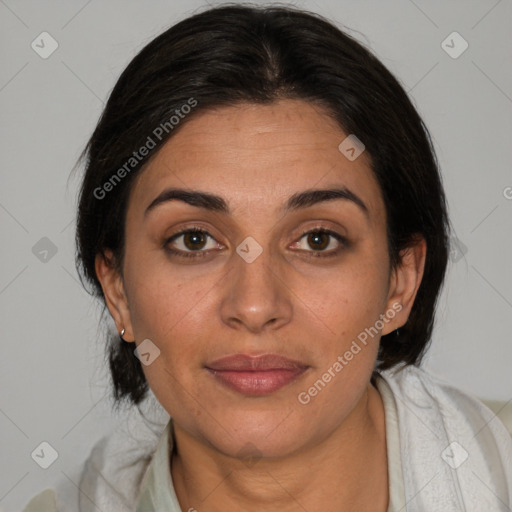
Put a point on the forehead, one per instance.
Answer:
(258, 153)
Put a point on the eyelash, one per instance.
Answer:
(200, 254)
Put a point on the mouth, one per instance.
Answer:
(255, 376)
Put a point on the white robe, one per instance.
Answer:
(454, 454)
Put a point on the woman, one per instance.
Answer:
(263, 215)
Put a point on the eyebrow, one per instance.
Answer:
(216, 203)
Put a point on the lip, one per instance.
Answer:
(255, 375)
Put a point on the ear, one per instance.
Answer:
(113, 290)
(404, 283)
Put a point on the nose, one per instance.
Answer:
(256, 296)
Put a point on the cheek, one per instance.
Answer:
(168, 312)
(349, 299)
(162, 304)
(349, 306)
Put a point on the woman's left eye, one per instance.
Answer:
(324, 242)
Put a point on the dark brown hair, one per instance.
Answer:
(240, 53)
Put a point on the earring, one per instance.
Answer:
(121, 334)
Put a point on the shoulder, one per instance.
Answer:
(452, 436)
(115, 468)
(503, 411)
(112, 473)
(43, 502)
(425, 392)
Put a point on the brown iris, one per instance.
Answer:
(194, 240)
(318, 240)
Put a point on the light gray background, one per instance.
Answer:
(53, 376)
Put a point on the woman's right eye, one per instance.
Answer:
(191, 242)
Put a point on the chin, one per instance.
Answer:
(256, 434)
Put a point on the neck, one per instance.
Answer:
(346, 471)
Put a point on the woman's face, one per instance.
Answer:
(259, 279)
